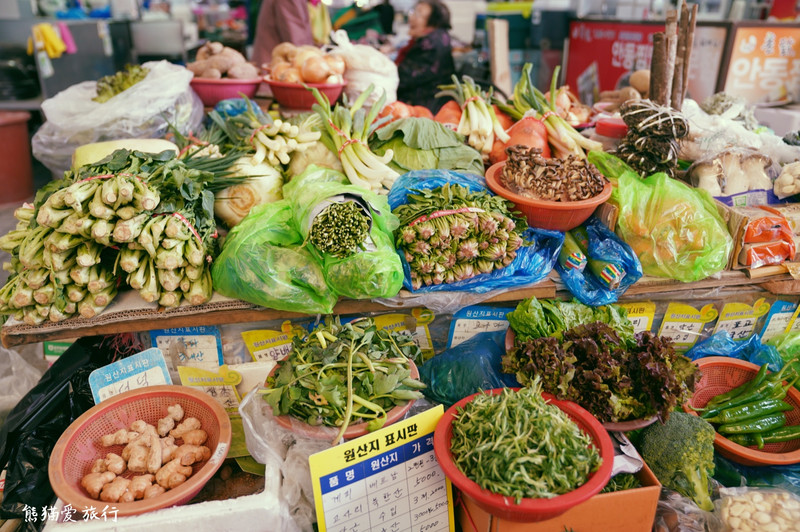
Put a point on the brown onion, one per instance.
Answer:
(335, 63)
(303, 53)
(290, 75)
(283, 53)
(315, 70)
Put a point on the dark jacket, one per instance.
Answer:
(423, 65)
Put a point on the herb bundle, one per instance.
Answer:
(342, 374)
(518, 445)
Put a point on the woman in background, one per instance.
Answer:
(280, 21)
(427, 60)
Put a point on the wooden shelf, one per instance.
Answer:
(161, 319)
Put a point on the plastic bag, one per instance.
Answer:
(675, 230)
(731, 474)
(469, 367)
(366, 66)
(752, 350)
(285, 451)
(676, 513)
(263, 262)
(373, 272)
(38, 420)
(603, 245)
(533, 262)
(734, 172)
(145, 110)
(611, 166)
(787, 345)
(18, 377)
(747, 508)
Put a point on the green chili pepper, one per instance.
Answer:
(723, 398)
(750, 410)
(759, 440)
(751, 426)
(781, 434)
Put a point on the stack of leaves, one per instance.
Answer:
(651, 144)
(518, 445)
(342, 374)
(536, 318)
(450, 234)
(148, 214)
(616, 380)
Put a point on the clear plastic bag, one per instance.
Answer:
(145, 110)
(17, 377)
(676, 231)
(533, 262)
(263, 262)
(366, 66)
(763, 509)
(676, 513)
(606, 246)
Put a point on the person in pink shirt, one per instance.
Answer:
(280, 21)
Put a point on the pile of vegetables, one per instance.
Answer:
(478, 122)
(422, 144)
(615, 375)
(680, 452)
(651, 144)
(537, 318)
(450, 234)
(574, 254)
(110, 86)
(517, 444)
(215, 60)
(529, 101)
(149, 215)
(346, 133)
(342, 374)
(305, 64)
(397, 110)
(753, 414)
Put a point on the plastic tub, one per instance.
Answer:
(16, 172)
(297, 96)
(609, 132)
(554, 215)
(528, 510)
(213, 91)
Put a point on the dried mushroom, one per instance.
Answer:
(529, 174)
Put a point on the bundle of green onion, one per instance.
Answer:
(145, 213)
(450, 234)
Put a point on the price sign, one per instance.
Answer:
(416, 324)
(684, 324)
(219, 384)
(779, 319)
(147, 368)
(470, 321)
(388, 480)
(266, 344)
(641, 314)
(739, 319)
(199, 347)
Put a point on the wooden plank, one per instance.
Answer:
(24, 335)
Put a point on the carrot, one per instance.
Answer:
(449, 114)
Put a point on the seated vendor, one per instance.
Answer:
(427, 60)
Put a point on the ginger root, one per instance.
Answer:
(112, 462)
(189, 454)
(139, 485)
(121, 437)
(190, 423)
(153, 491)
(168, 449)
(154, 454)
(93, 482)
(114, 490)
(173, 474)
(175, 412)
(195, 437)
(165, 425)
(141, 426)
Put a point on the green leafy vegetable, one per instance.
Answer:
(342, 374)
(110, 86)
(420, 144)
(534, 318)
(518, 445)
(621, 482)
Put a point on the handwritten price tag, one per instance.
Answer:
(684, 324)
(147, 368)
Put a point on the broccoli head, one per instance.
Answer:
(681, 454)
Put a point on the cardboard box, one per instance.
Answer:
(622, 511)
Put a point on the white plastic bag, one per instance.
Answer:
(18, 377)
(143, 111)
(365, 66)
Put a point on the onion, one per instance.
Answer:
(278, 69)
(334, 79)
(303, 53)
(284, 52)
(315, 70)
(335, 63)
(290, 75)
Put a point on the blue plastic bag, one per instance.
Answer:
(603, 245)
(752, 350)
(533, 262)
(467, 368)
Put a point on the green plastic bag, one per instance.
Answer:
(675, 230)
(263, 261)
(375, 271)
